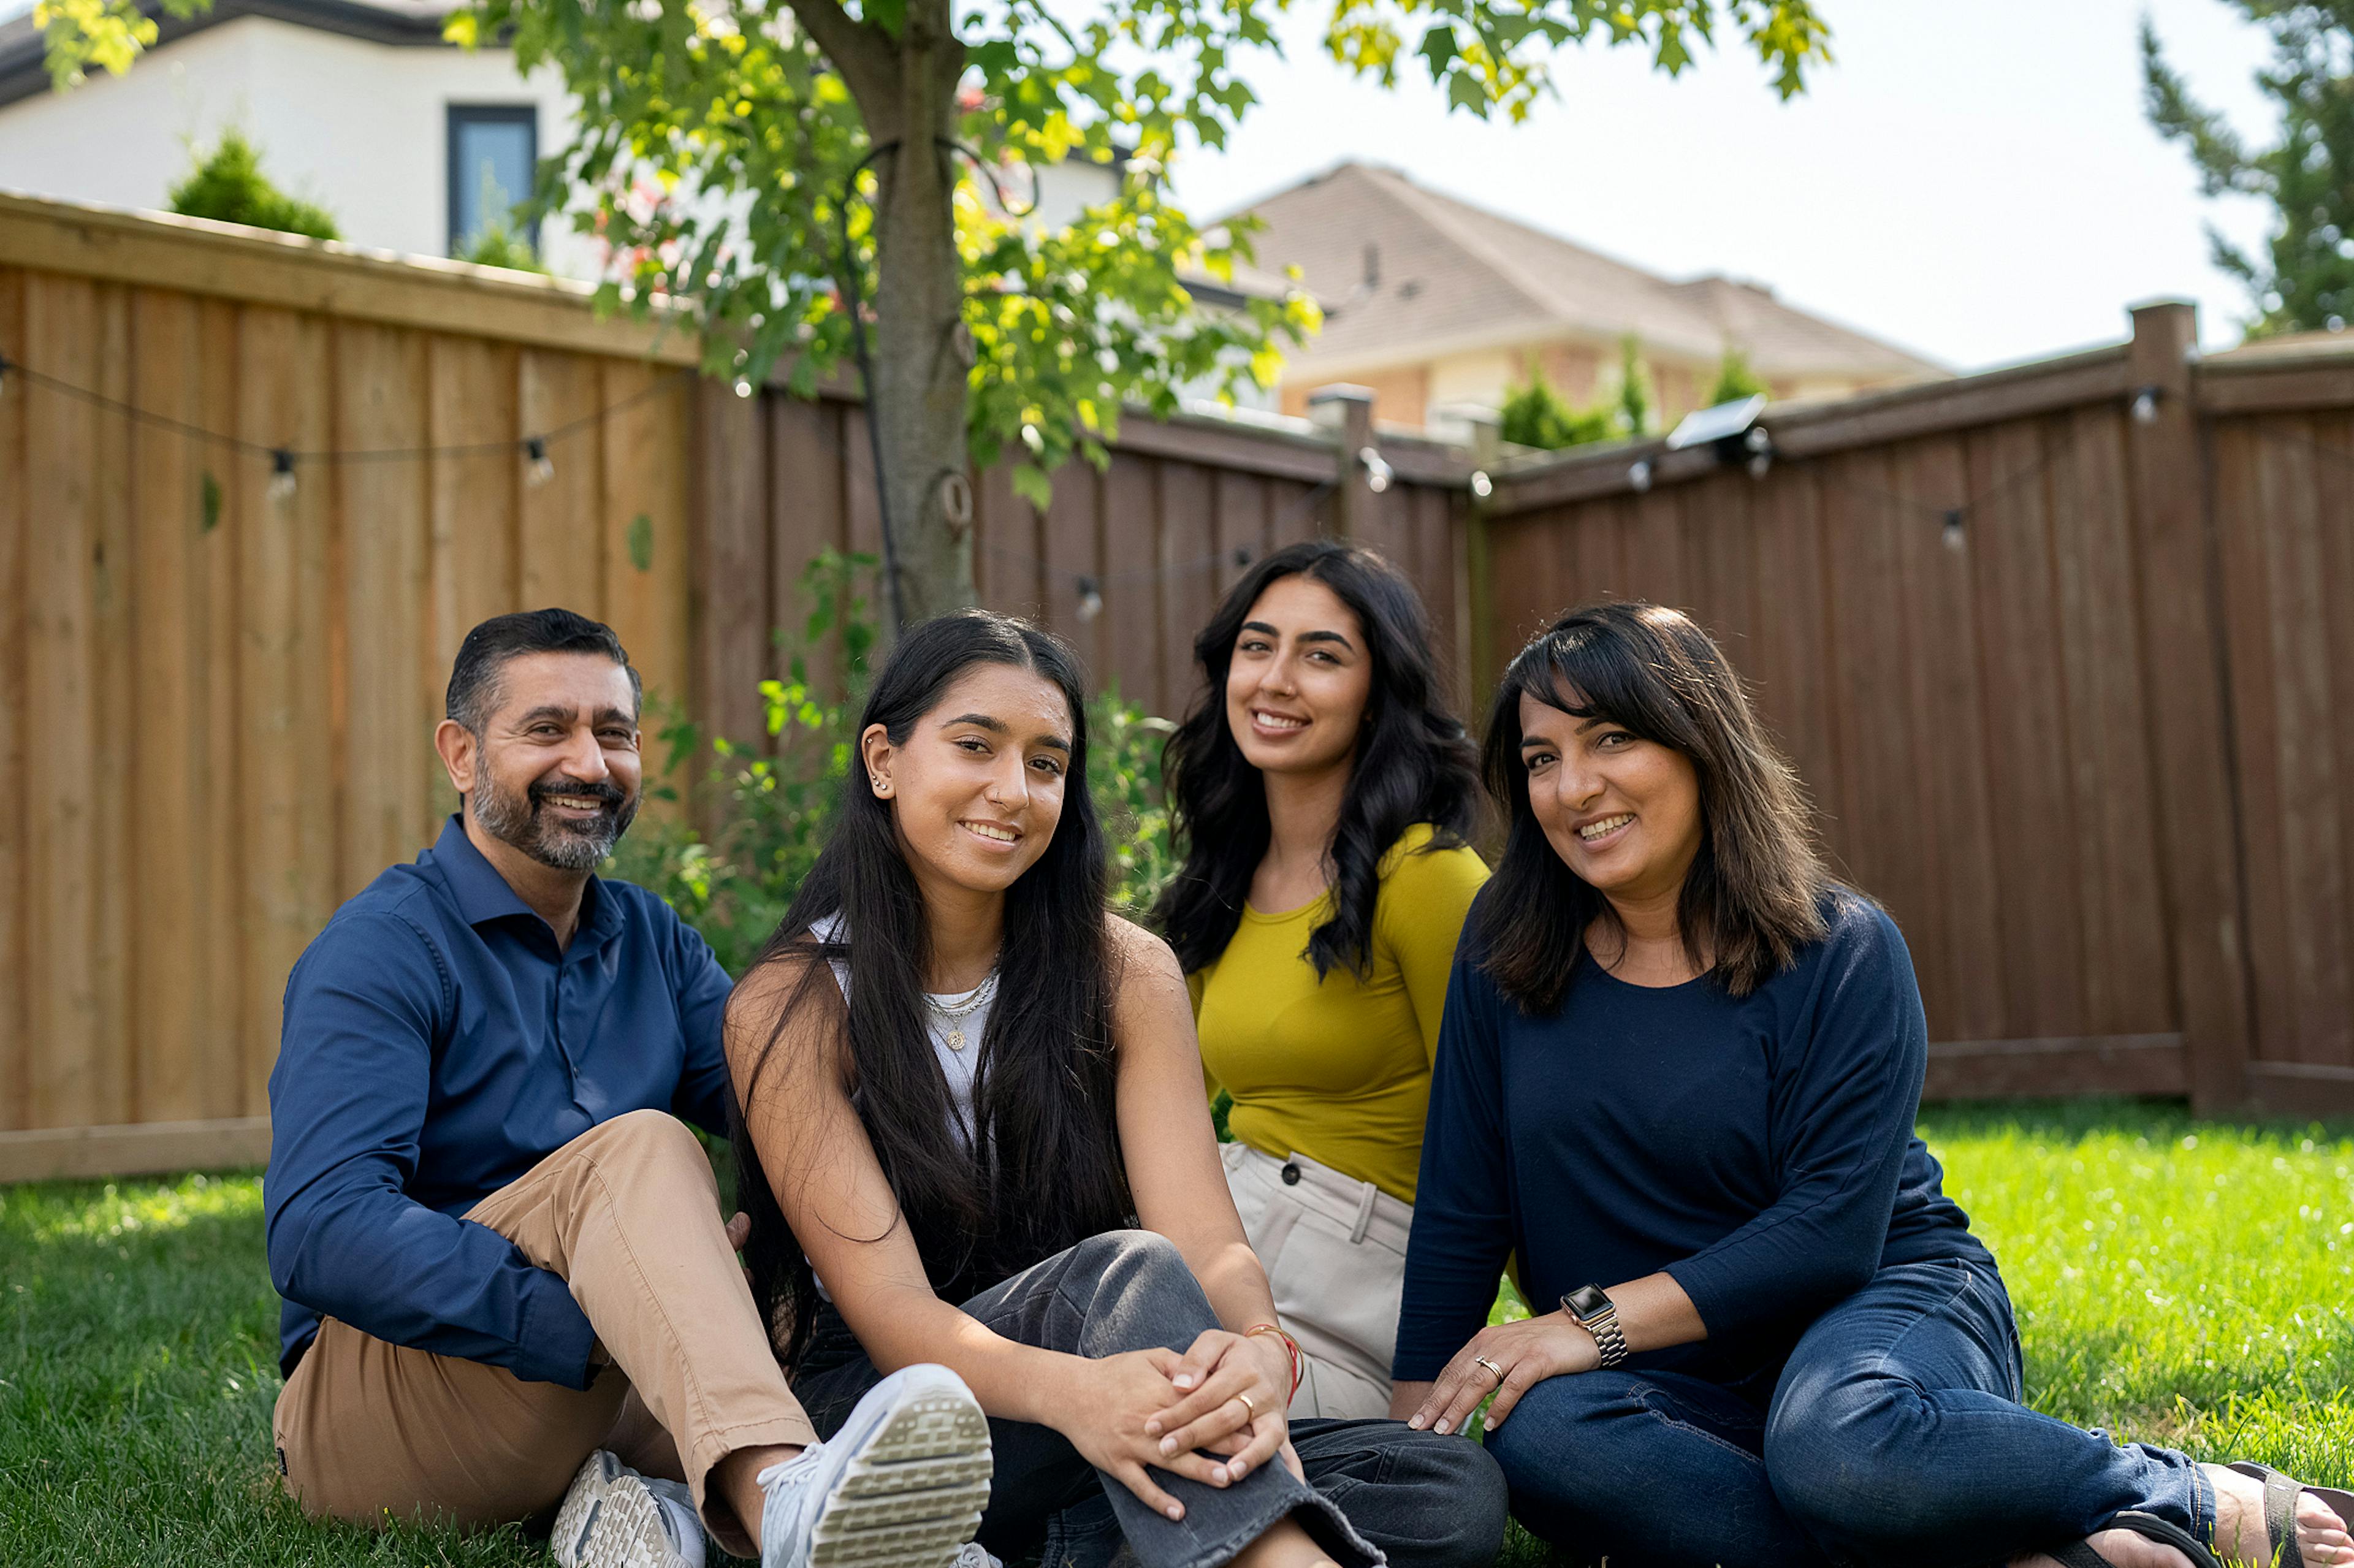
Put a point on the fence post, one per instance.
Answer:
(1475, 589)
(1345, 413)
(2184, 679)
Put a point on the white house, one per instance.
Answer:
(357, 105)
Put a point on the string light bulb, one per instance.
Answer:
(1090, 599)
(281, 474)
(541, 470)
(1952, 532)
(2145, 406)
(1638, 475)
(4, 375)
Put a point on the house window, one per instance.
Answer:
(494, 153)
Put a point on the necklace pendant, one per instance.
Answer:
(956, 1039)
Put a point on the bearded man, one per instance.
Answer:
(508, 1287)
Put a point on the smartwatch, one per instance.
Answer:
(1599, 1316)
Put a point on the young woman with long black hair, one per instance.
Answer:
(1678, 1079)
(972, 1134)
(1322, 790)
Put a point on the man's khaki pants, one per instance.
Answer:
(628, 1215)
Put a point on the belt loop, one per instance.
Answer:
(1364, 1214)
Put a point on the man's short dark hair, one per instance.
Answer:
(474, 679)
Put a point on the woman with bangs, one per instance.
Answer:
(1677, 1083)
(972, 1136)
(1323, 792)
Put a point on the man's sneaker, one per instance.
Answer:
(615, 1518)
(901, 1485)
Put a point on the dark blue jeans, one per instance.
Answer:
(1375, 1489)
(1894, 1435)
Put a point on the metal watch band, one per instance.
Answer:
(1604, 1326)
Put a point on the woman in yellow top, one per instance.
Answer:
(1323, 792)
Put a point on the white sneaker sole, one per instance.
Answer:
(615, 1524)
(914, 1493)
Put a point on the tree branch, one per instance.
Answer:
(864, 55)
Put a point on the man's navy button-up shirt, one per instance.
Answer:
(436, 1046)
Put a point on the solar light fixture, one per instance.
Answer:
(1378, 473)
(1729, 429)
(2145, 406)
(1482, 485)
(1639, 476)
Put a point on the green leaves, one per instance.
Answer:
(2304, 280)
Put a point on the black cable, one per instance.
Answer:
(166, 422)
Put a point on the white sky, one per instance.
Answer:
(1976, 181)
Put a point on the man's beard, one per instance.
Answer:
(522, 818)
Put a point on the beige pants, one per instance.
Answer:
(628, 1214)
(1334, 1251)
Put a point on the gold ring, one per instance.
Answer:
(1492, 1367)
(1248, 1405)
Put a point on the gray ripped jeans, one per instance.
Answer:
(1376, 1492)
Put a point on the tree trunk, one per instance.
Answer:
(917, 397)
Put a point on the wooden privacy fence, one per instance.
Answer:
(2068, 683)
(222, 695)
(2065, 654)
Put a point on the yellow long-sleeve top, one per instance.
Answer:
(1339, 1071)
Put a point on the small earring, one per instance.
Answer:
(880, 787)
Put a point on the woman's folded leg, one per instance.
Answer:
(1896, 1435)
(1650, 1469)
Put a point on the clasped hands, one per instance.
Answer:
(1506, 1359)
(1213, 1414)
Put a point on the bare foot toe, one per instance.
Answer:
(2322, 1539)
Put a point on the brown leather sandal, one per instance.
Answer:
(2080, 1554)
(2280, 1509)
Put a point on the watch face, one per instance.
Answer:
(1587, 1300)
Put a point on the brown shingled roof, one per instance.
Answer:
(1451, 273)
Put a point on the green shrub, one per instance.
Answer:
(229, 186)
(1537, 415)
(1734, 379)
(501, 244)
(772, 812)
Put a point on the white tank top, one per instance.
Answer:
(956, 1041)
(958, 1062)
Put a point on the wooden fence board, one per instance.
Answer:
(475, 562)
(1189, 577)
(1243, 527)
(112, 573)
(16, 977)
(2036, 830)
(62, 701)
(380, 395)
(1874, 840)
(2336, 585)
(1132, 598)
(2316, 994)
(1072, 537)
(167, 829)
(731, 564)
(1961, 979)
(223, 1044)
(2244, 492)
(2127, 974)
(562, 553)
(644, 495)
(285, 690)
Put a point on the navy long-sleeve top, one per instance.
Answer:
(1759, 1149)
(436, 1046)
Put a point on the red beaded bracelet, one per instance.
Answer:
(1290, 1345)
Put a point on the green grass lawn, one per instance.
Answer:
(2178, 1281)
